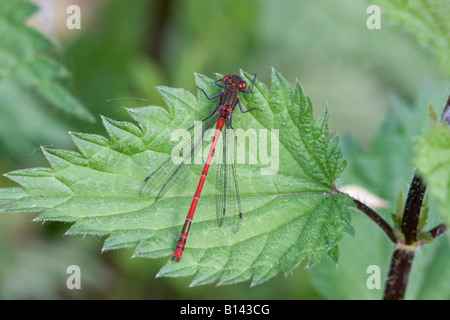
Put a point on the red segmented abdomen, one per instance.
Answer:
(187, 224)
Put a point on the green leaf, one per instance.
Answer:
(291, 213)
(433, 162)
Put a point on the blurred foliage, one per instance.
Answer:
(125, 49)
(428, 21)
(28, 81)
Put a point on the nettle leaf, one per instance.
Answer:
(291, 212)
(433, 161)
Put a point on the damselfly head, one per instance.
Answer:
(235, 81)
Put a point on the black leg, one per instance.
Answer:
(242, 110)
(220, 85)
(210, 98)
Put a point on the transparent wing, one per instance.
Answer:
(228, 203)
(163, 177)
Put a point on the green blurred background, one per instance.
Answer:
(126, 48)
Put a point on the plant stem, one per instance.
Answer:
(412, 209)
(446, 113)
(403, 256)
(377, 219)
(437, 231)
(398, 274)
(404, 252)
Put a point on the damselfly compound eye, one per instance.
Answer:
(243, 85)
(225, 79)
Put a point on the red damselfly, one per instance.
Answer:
(228, 204)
